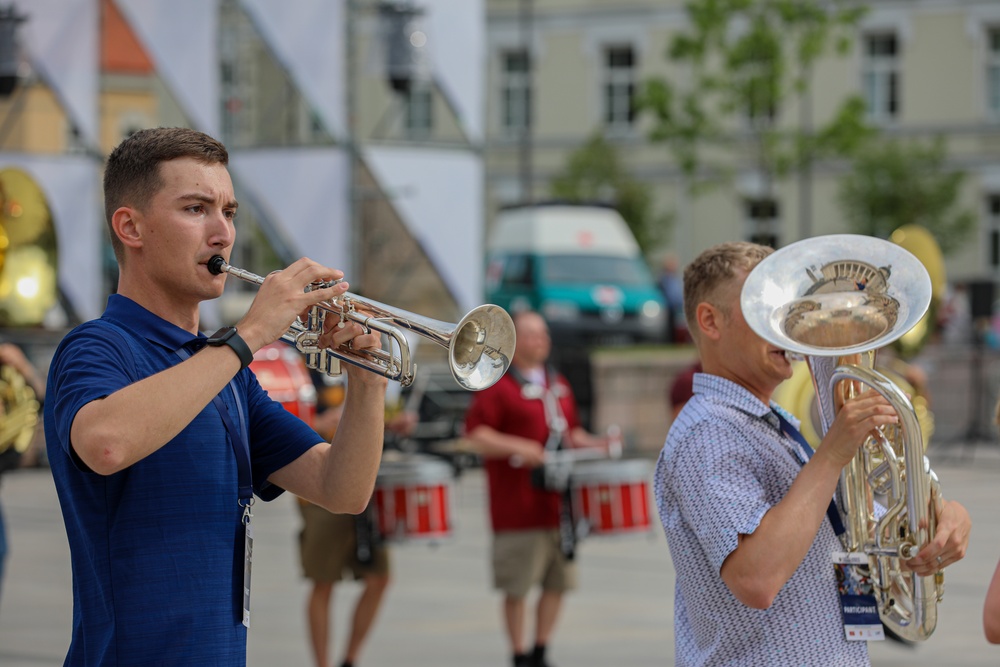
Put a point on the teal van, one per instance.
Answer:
(580, 267)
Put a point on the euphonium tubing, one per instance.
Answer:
(834, 300)
(479, 346)
(20, 409)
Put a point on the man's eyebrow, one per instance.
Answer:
(206, 199)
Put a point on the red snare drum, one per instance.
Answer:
(283, 375)
(611, 497)
(413, 499)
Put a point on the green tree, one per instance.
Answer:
(893, 183)
(743, 62)
(594, 172)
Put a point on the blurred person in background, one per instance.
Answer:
(339, 547)
(12, 357)
(682, 389)
(672, 286)
(991, 607)
(510, 425)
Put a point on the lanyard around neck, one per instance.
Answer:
(238, 439)
(786, 427)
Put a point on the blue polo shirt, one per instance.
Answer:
(157, 549)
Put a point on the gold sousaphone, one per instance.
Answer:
(836, 300)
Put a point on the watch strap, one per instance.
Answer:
(231, 337)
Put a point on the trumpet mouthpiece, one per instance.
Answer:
(215, 264)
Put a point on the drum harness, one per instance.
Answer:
(553, 475)
(366, 534)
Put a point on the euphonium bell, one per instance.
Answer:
(835, 300)
(479, 346)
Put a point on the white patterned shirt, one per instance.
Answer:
(724, 465)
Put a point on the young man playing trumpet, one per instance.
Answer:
(159, 437)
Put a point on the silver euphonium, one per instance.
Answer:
(479, 346)
(835, 300)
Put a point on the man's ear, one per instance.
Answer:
(709, 319)
(125, 226)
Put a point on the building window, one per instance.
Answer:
(993, 224)
(515, 90)
(993, 72)
(881, 77)
(619, 87)
(762, 221)
(419, 111)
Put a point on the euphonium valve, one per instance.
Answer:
(480, 345)
(835, 300)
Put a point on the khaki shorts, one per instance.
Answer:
(328, 547)
(523, 558)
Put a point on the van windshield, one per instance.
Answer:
(588, 269)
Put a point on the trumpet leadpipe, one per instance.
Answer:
(217, 265)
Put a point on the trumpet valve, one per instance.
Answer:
(307, 341)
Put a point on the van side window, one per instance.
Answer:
(518, 271)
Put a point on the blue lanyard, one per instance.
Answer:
(831, 512)
(236, 437)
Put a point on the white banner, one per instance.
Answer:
(307, 38)
(181, 37)
(456, 42)
(439, 196)
(61, 40)
(304, 192)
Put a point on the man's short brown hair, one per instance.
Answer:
(132, 173)
(713, 270)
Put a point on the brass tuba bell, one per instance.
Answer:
(836, 300)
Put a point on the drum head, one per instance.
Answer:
(623, 470)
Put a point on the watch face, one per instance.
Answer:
(222, 335)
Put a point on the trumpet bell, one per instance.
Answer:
(836, 295)
(481, 347)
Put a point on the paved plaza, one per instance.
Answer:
(440, 610)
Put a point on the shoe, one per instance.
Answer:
(537, 658)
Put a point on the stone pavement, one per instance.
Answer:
(440, 610)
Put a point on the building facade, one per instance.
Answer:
(562, 70)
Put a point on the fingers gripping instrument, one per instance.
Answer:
(479, 346)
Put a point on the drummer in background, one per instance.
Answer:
(329, 543)
(507, 425)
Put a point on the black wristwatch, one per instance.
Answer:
(229, 336)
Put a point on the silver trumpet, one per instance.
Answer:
(479, 346)
(836, 300)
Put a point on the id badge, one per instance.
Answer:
(247, 562)
(857, 597)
